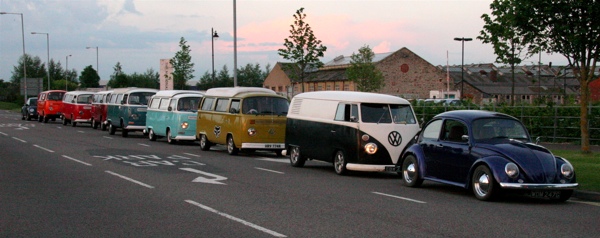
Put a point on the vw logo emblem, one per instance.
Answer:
(394, 138)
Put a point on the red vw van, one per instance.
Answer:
(77, 107)
(99, 109)
(49, 105)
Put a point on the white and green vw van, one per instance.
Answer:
(172, 114)
(127, 109)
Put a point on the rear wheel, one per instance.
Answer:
(73, 123)
(64, 121)
(102, 125)
(40, 118)
(339, 162)
(204, 143)
(483, 183)
(296, 158)
(231, 149)
(111, 129)
(46, 119)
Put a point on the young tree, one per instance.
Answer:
(56, 73)
(89, 78)
(507, 38)
(363, 72)
(302, 48)
(34, 66)
(118, 79)
(569, 28)
(183, 68)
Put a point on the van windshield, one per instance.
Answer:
(265, 106)
(385, 113)
(86, 98)
(189, 104)
(55, 96)
(140, 98)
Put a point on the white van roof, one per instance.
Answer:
(104, 92)
(350, 96)
(79, 92)
(131, 90)
(233, 91)
(171, 93)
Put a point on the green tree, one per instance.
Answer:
(363, 72)
(149, 79)
(56, 73)
(302, 48)
(183, 68)
(118, 79)
(252, 75)
(34, 66)
(501, 30)
(569, 28)
(205, 82)
(89, 78)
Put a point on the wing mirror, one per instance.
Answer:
(465, 138)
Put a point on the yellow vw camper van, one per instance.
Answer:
(246, 118)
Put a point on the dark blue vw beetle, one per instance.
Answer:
(485, 152)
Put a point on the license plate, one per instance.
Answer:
(391, 169)
(273, 146)
(545, 194)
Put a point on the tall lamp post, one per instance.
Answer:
(48, 49)
(97, 68)
(213, 36)
(462, 69)
(24, 56)
(67, 73)
(234, 45)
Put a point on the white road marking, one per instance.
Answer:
(76, 160)
(257, 227)
(214, 179)
(588, 203)
(274, 160)
(129, 179)
(143, 144)
(3, 133)
(403, 198)
(51, 151)
(81, 131)
(192, 155)
(19, 140)
(273, 171)
(107, 137)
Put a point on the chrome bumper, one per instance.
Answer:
(552, 186)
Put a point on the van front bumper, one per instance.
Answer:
(265, 146)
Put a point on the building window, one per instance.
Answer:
(320, 88)
(337, 87)
(328, 87)
(280, 89)
(346, 87)
(311, 88)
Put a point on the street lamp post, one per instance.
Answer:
(213, 36)
(462, 69)
(24, 56)
(234, 45)
(48, 49)
(97, 68)
(67, 73)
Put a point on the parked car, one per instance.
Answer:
(353, 130)
(99, 109)
(77, 107)
(127, 109)
(49, 105)
(246, 118)
(173, 114)
(29, 110)
(486, 152)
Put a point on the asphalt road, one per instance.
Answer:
(63, 181)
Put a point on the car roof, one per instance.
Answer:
(79, 92)
(471, 115)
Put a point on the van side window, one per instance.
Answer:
(222, 104)
(124, 99)
(173, 104)
(164, 104)
(375, 113)
(207, 104)
(154, 103)
(235, 105)
(346, 112)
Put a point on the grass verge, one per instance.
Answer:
(10, 106)
(586, 168)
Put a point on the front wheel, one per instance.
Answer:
(231, 149)
(483, 183)
(111, 129)
(410, 172)
(170, 140)
(64, 121)
(151, 135)
(339, 162)
(204, 143)
(296, 158)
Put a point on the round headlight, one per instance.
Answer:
(134, 116)
(567, 170)
(184, 125)
(511, 170)
(31, 110)
(251, 131)
(371, 148)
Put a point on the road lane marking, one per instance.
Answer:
(76, 160)
(107, 137)
(268, 170)
(81, 131)
(129, 179)
(403, 198)
(257, 227)
(274, 160)
(192, 155)
(143, 144)
(19, 139)
(588, 203)
(3, 133)
(51, 151)
(212, 178)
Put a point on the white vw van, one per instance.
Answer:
(353, 130)
(172, 114)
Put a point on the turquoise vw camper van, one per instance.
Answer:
(127, 109)
(172, 114)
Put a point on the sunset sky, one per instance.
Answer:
(138, 33)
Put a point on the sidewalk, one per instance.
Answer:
(578, 194)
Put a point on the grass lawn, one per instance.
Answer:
(586, 166)
(10, 106)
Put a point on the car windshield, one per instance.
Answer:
(55, 96)
(188, 104)
(384, 113)
(140, 98)
(85, 98)
(265, 106)
(499, 128)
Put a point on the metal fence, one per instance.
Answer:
(554, 124)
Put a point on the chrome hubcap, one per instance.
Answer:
(409, 173)
(295, 154)
(482, 185)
